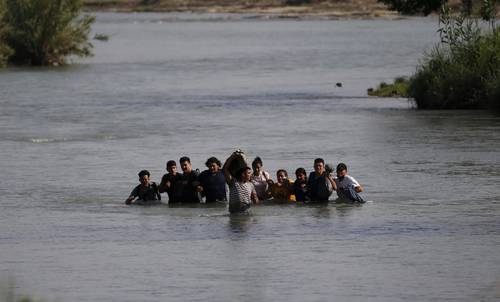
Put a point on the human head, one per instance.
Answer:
(341, 170)
(281, 175)
(257, 165)
(319, 165)
(185, 163)
(300, 173)
(171, 167)
(243, 174)
(213, 164)
(144, 177)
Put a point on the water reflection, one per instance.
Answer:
(240, 223)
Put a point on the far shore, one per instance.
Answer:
(340, 9)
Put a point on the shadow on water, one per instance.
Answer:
(240, 223)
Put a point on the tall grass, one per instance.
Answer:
(43, 32)
(463, 71)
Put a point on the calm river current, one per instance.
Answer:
(73, 139)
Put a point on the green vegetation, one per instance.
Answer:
(101, 37)
(463, 70)
(43, 32)
(397, 89)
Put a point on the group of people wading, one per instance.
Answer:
(246, 185)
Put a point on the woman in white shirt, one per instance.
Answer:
(260, 178)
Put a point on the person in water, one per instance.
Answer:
(300, 185)
(282, 189)
(185, 189)
(347, 187)
(241, 190)
(168, 180)
(260, 178)
(320, 184)
(213, 181)
(146, 192)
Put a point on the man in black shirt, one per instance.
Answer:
(320, 184)
(146, 192)
(213, 181)
(185, 188)
(168, 181)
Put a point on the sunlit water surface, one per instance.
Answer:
(73, 139)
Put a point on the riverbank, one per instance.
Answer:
(269, 8)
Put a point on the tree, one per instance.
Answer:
(43, 32)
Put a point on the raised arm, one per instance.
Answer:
(332, 182)
(225, 168)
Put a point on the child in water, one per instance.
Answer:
(260, 179)
(300, 185)
(282, 189)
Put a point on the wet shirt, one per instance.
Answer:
(283, 192)
(240, 195)
(346, 182)
(214, 185)
(319, 187)
(146, 194)
(300, 190)
(184, 188)
(260, 183)
(163, 187)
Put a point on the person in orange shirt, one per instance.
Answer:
(282, 189)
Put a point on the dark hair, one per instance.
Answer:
(301, 171)
(240, 172)
(319, 160)
(183, 159)
(211, 161)
(144, 172)
(282, 170)
(171, 163)
(341, 167)
(256, 161)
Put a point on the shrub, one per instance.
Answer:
(398, 89)
(494, 94)
(460, 72)
(44, 32)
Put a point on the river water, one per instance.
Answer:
(73, 139)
